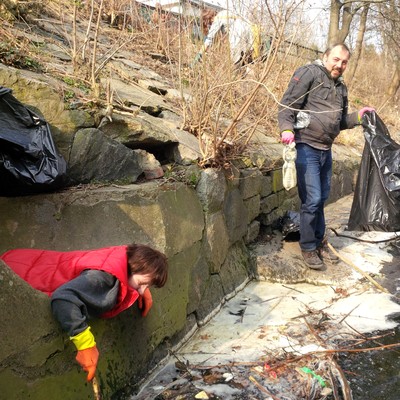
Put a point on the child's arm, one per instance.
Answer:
(89, 295)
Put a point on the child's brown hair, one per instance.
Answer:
(145, 260)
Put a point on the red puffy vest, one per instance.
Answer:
(46, 270)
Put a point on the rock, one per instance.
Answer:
(94, 156)
(133, 95)
(211, 189)
(187, 151)
(250, 182)
(148, 163)
(216, 240)
(154, 86)
(175, 94)
(138, 131)
(237, 267)
(201, 395)
(235, 214)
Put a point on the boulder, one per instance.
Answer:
(95, 157)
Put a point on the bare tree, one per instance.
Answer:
(342, 14)
(390, 23)
(359, 42)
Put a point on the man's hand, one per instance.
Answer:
(363, 111)
(145, 302)
(287, 137)
(87, 359)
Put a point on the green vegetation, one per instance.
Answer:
(17, 59)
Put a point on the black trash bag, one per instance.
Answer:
(376, 202)
(29, 160)
(289, 225)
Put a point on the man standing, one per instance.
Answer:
(314, 109)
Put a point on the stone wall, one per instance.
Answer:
(204, 227)
(203, 231)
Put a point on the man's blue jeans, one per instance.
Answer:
(314, 172)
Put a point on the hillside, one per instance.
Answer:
(76, 48)
(116, 94)
(42, 41)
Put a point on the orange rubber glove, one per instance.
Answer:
(88, 354)
(145, 302)
(87, 359)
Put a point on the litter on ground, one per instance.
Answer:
(283, 340)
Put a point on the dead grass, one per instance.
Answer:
(227, 104)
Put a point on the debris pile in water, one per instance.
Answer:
(309, 372)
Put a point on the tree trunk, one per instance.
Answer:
(340, 18)
(395, 84)
(390, 12)
(347, 18)
(360, 38)
(334, 19)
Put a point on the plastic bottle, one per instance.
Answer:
(289, 166)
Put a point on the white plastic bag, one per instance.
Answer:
(289, 166)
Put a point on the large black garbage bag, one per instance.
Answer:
(29, 160)
(376, 202)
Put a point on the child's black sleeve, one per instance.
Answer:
(90, 294)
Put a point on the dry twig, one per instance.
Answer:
(359, 270)
(262, 388)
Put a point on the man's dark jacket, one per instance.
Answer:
(324, 99)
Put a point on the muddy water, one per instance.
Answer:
(376, 375)
(371, 375)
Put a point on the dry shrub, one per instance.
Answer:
(227, 105)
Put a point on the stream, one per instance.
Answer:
(375, 375)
